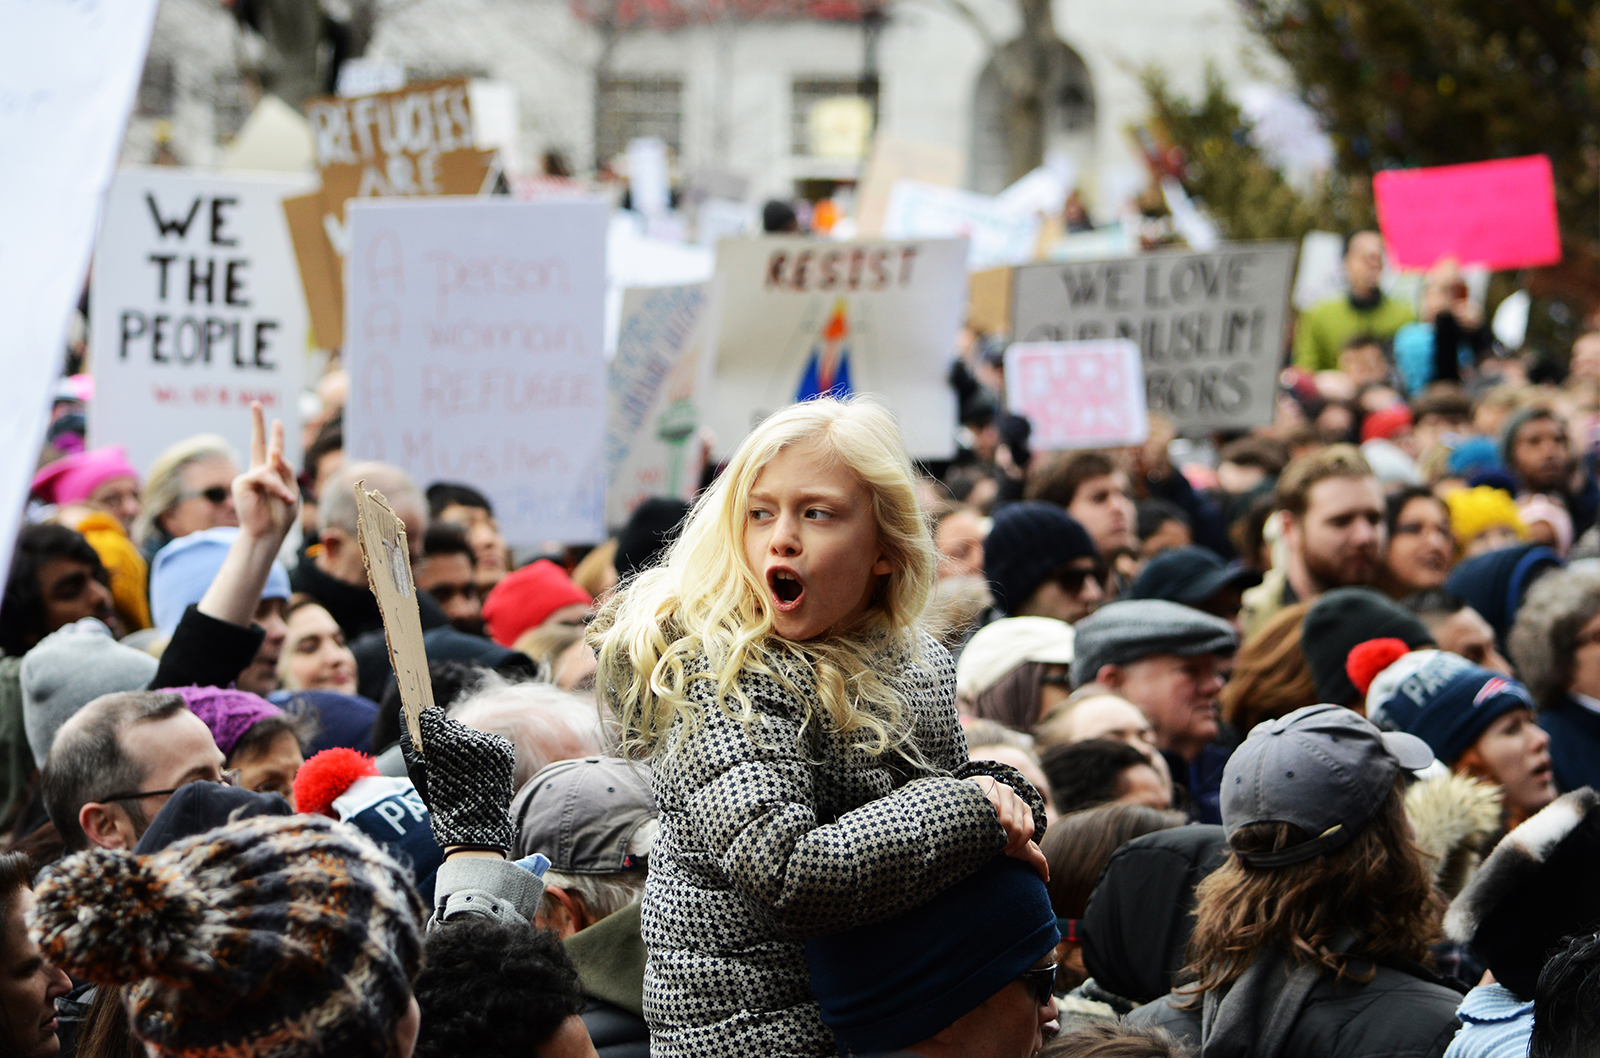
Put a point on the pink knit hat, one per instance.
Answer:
(73, 478)
(227, 712)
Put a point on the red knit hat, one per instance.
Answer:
(525, 598)
(1386, 423)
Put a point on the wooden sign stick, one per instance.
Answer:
(388, 560)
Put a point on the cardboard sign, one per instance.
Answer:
(68, 73)
(800, 318)
(997, 236)
(1078, 394)
(414, 141)
(989, 300)
(660, 376)
(474, 331)
(196, 310)
(1210, 326)
(1496, 215)
(387, 558)
(896, 159)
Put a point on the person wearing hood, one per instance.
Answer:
(1308, 941)
(1136, 927)
(1496, 583)
(1555, 646)
(1477, 722)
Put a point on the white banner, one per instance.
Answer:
(68, 72)
(802, 317)
(473, 339)
(1210, 326)
(196, 311)
(659, 380)
(999, 234)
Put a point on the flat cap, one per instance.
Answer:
(1129, 631)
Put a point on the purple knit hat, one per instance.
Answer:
(227, 712)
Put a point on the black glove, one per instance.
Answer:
(465, 779)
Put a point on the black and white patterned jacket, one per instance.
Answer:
(769, 836)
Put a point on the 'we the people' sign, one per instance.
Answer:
(473, 340)
(196, 310)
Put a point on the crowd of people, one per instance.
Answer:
(1289, 746)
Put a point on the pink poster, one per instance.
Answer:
(1086, 394)
(1496, 215)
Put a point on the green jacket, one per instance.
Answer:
(1324, 328)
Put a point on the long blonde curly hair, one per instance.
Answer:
(705, 599)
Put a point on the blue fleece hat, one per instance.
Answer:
(1496, 582)
(1443, 699)
(185, 568)
(887, 985)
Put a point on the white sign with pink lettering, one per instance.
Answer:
(473, 331)
(1078, 394)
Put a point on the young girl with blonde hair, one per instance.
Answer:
(807, 759)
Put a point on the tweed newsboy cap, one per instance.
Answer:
(1129, 631)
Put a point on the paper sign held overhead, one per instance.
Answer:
(996, 235)
(1497, 215)
(196, 310)
(1210, 326)
(387, 557)
(1078, 394)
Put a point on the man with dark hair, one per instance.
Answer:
(446, 573)
(1535, 447)
(465, 506)
(1458, 628)
(1102, 771)
(115, 762)
(1333, 526)
(1091, 488)
(1566, 1007)
(56, 578)
(498, 990)
(1323, 329)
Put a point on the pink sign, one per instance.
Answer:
(1495, 215)
(1078, 394)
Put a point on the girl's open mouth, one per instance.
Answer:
(786, 589)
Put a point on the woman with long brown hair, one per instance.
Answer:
(1309, 941)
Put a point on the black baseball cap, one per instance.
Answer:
(1190, 575)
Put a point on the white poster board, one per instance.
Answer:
(1211, 326)
(1078, 394)
(473, 340)
(196, 311)
(997, 234)
(801, 316)
(659, 379)
(68, 72)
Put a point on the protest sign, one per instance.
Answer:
(658, 380)
(414, 141)
(895, 159)
(67, 78)
(1210, 326)
(1496, 215)
(387, 558)
(473, 343)
(1078, 394)
(997, 236)
(196, 310)
(989, 300)
(800, 317)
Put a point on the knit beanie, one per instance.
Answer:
(1027, 542)
(271, 937)
(185, 568)
(342, 784)
(1475, 511)
(890, 984)
(227, 712)
(526, 597)
(68, 669)
(73, 478)
(1494, 584)
(1440, 697)
(650, 528)
(1535, 889)
(1471, 455)
(1343, 618)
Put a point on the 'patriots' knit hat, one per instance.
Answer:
(270, 937)
(1440, 697)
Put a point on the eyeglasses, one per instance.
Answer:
(1041, 983)
(229, 778)
(216, 495)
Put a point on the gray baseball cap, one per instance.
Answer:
(1134, 629)
(1323, 768)
(593, 815)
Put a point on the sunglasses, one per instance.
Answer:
(1041, 983)
(229, 778)
(216, 495)
(1071, 579)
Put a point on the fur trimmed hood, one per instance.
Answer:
(1454, 816)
